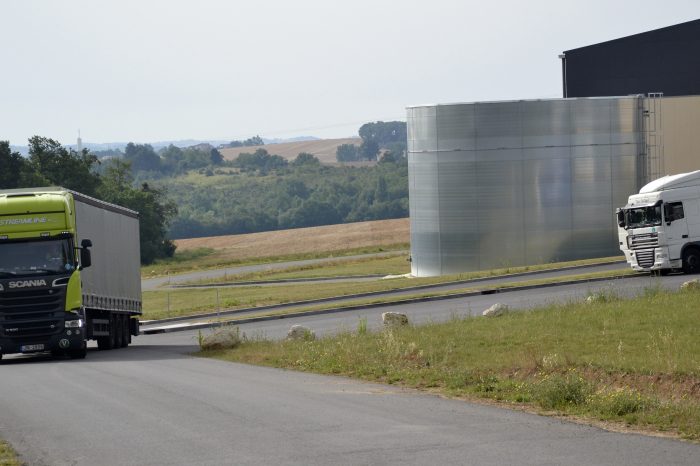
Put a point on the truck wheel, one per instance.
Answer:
(125, 331)
(118, 330)
(107, 343)
(103, 343)
(691, 260)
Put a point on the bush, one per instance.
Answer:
(557, 391)
(620, 402)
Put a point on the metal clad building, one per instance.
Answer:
(665, 60)
(496, 184)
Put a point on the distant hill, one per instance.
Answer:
(181, 143)
(323, 149)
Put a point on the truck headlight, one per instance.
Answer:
(74, 323)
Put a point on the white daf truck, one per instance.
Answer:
(659, 228)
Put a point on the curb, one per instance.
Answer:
(205, 325)
(371, 293)
(272, 282)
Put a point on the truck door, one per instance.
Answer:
(676, 228)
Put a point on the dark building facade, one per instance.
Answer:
(664, 60)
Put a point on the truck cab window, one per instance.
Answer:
(673, 211)
(642, 217)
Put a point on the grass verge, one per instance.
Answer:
(188, 302)
(391, 265)
(8, 457)
(634, 363)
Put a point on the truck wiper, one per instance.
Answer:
(7, 274)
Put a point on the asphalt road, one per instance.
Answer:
(438, 288)
(152, 404)
(150, 284)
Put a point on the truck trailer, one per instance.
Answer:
(69, 272)
(659, 228)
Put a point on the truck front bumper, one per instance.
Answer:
(661, 260)
(68, 340)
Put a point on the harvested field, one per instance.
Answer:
(323, 149)
(303, 240)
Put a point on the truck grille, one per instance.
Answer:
(648, 240)
(32, 313)
(645, 258)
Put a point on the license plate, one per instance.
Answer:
(30, 348)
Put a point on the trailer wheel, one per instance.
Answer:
(125, 330)
(107, 343)
(118, 330)
(103, 343)
(691, 260)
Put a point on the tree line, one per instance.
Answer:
(388, 137)
(51, 164)
(260, 191)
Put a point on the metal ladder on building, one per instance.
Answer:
(652, 166)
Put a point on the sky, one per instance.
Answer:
(156, 70)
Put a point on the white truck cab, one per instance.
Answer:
(659, 228)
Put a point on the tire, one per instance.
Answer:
(691, 260)
(103, 343)
(118, 330)
(128, 329)
(107, 343)
(125, 331)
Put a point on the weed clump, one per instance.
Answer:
(561, 391)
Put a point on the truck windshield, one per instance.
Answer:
(35, 257)
(643, 217)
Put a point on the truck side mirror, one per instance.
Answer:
(620, 218)
(85, 255)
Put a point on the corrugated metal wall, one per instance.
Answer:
(498, 184)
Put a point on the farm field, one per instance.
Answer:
(275, 246)
(323, 149)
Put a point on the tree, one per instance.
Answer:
(155, 210)
(63, 167)
(142, 157)
(369, 149)
(306, 159)
(260, 161)
(389, 135)
(347, 153)
(254, 141)
(13, 165)
(215, 157)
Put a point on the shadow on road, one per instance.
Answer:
(130, 354)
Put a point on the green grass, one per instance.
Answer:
(630, 362)
(191, 301)
(206, 258)
(8, 457)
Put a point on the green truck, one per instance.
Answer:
(69, 273)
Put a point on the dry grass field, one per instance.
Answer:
(303, 240)
(323, 149)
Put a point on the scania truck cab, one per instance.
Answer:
(659, 228)
(69, 272)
